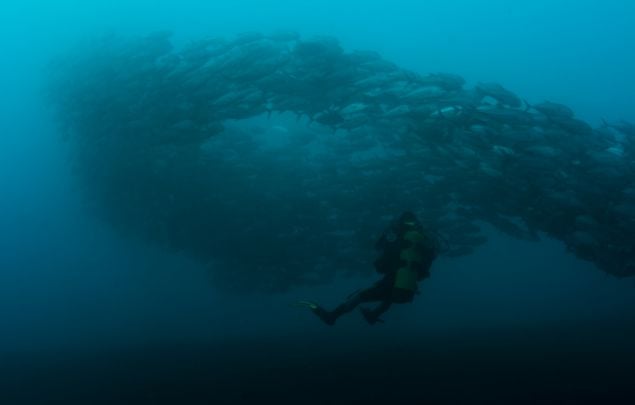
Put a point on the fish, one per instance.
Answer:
(499, 93)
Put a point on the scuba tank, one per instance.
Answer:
(407, 276)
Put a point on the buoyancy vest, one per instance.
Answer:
(407, 275)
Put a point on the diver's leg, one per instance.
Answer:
(372, 315)
(381, 308)
(374, 293)
(396, 295)
(347, 306)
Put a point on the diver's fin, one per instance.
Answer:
(326, 316)
(308, 304)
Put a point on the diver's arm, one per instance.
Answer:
(424, 268)
(387, 238)
(381, 242)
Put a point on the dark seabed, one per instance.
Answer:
(558, 364)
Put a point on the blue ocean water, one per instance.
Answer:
(81, 300)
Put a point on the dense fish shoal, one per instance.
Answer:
(178, 145)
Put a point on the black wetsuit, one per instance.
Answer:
(391, 243)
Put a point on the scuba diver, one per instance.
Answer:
(407, 254)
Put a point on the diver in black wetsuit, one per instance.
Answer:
(407, 254)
